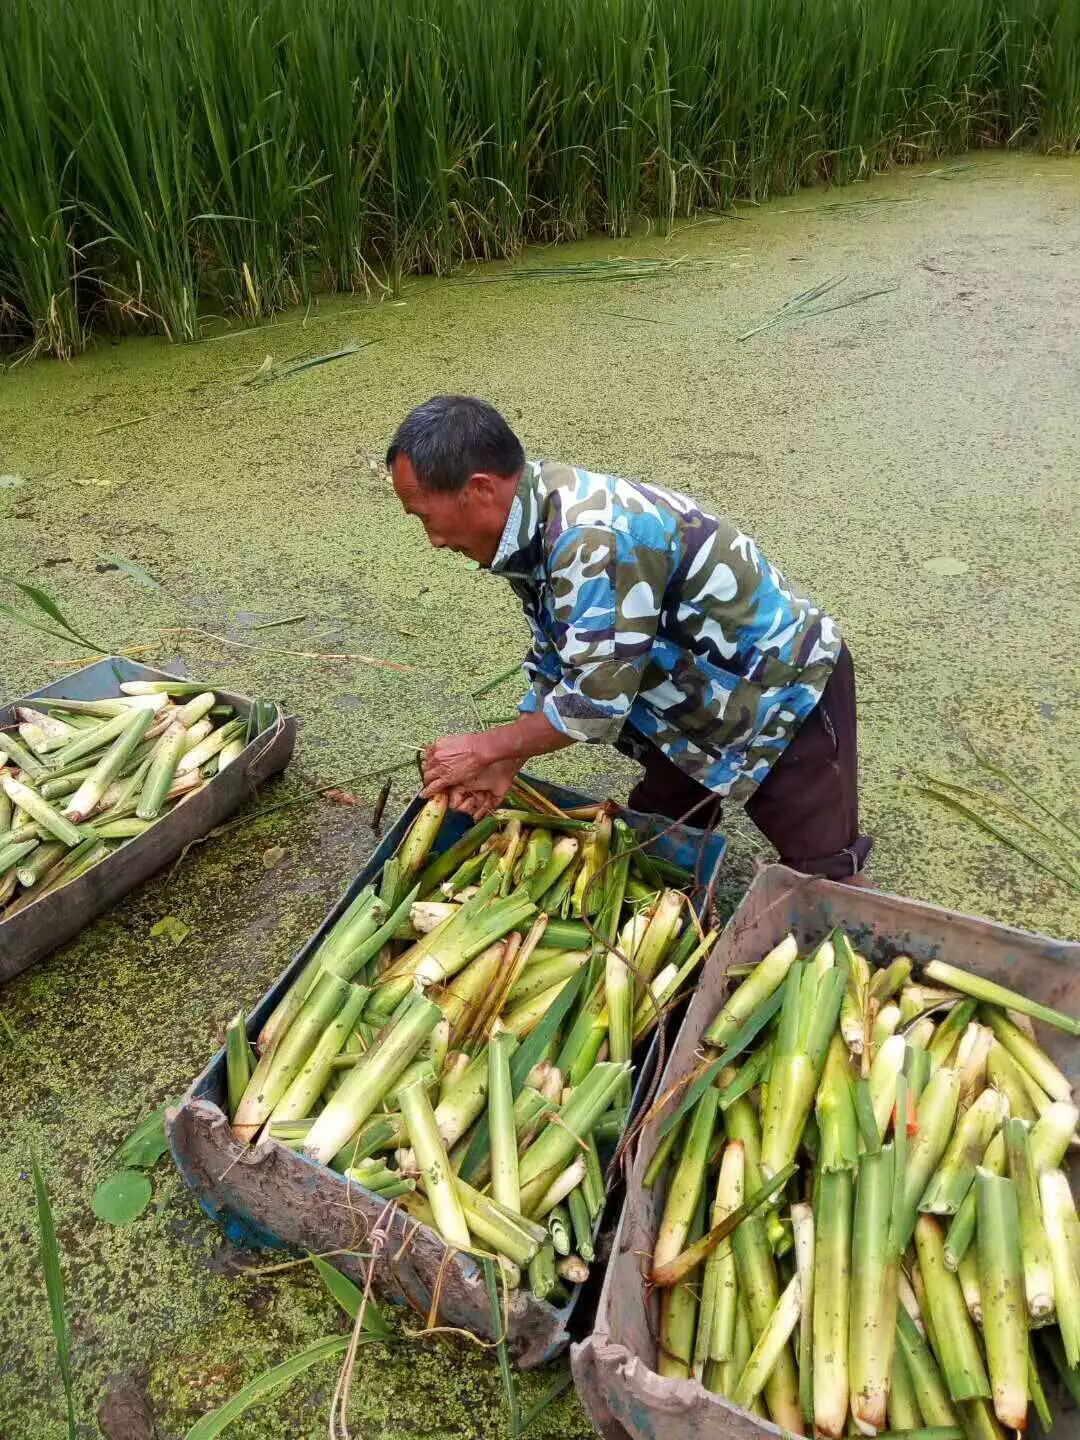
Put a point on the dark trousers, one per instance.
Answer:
(808, 804)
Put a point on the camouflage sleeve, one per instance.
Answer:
(543, 672)
(606, 594)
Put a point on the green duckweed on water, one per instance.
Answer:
(931, 424)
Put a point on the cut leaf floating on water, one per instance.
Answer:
(261, 373)
(142, 578)
(146, 1144)
(219, 1420)
(1062, 851)
(350, 1297)
(61, 629)
(54, 1288)
(1024, 791)
(268, 373)
(803, 306)
(171, 929)
(613, 269)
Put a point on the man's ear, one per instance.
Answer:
(480, 488)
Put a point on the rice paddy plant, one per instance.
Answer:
(796, 97)
(37, 280)
(125, 100)
(341, 125)
(565, 183)
(692, 135)
(432, 143)
(496, 76)
(616, 36)
(161, 158)
(956, 104)
(1058, 78)
(255, 178)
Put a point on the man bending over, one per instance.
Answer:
(656, 627)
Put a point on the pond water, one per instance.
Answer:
(911, 460)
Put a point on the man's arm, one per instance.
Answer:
(606, 613)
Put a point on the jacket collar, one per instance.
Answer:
(519, 546)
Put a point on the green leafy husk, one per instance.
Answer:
(759, 1288)
(834, 1208)
(873, 1291)
(739, 1041)
(990, 993)
(930, 1389)
(748, 999)
(954, 1334)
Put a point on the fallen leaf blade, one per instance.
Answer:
(134, 572)
(54, 1287)
(146, 1144)
(214, 1424)
(172, 929)
(350, 1297)
(989, 828)
(48, 606)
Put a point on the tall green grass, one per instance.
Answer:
(164, 159)
(37, 269)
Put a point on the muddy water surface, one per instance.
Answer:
(911, 460)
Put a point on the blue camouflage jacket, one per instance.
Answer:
(654, 619)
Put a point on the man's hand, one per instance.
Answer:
(455, 760)
(476, 770)
(477, 804)
(459, 766)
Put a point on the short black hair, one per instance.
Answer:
(450, 437)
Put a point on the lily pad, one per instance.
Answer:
(172, 929)
(146, 1144)
(946, 565)
(122, 1197)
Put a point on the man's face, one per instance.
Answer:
(457, 521)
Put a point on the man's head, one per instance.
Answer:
(455, 465)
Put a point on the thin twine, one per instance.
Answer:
(339, 1404)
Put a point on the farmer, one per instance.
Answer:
(656, 627)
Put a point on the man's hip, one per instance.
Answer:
(808, 804)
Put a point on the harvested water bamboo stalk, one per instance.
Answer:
(1001, 1285)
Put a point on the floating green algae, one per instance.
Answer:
(935, 422)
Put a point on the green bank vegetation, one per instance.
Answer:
(162, 159)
